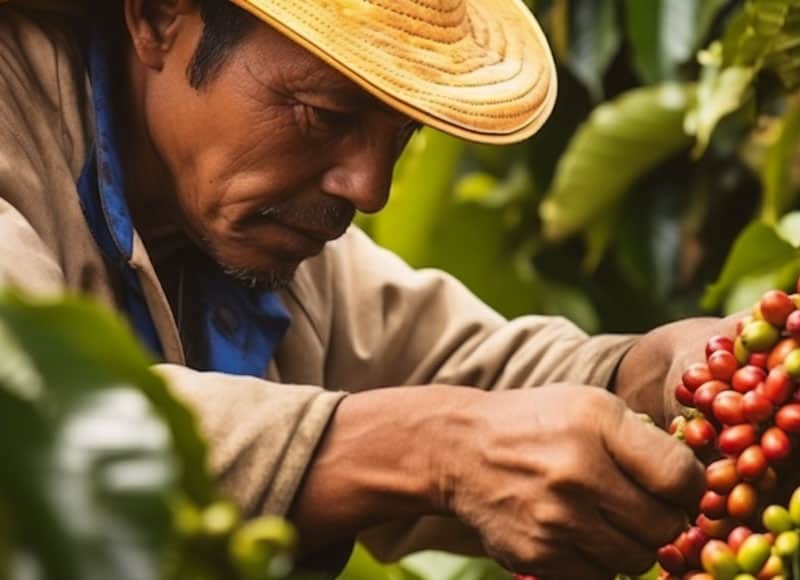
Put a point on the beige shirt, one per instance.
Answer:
(361, 318)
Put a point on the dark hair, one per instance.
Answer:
(225, 26)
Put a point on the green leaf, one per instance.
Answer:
(442, 566)
(622, 141)
(789, 228)
(362, 566)
(749, 289)
(759, 251)
(594, 41)
(779, 189)
(93, 333)
(422, 188)
(665, 34)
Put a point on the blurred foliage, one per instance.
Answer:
(102, 473)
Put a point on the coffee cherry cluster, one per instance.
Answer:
(743, 419)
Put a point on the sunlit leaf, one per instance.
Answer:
(665, 34)
(421, 189)
(779, 189)
(362, 566)
(721, 92)
(621, 142)
(759, 251)
(789, 228)
(441, 566)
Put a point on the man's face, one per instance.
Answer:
(272, 157)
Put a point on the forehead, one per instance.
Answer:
(277, 59)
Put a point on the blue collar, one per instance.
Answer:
(242, 327)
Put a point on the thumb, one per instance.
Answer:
(661, 464)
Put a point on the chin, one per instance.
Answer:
(262, 281)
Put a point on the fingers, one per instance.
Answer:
(659, 463)
(614, 549)
(639, 514)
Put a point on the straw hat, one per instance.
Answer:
(477, 69)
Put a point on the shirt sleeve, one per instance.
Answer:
(392, 325)
(262, 434)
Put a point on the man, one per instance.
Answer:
(188, 161)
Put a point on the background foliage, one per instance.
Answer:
(665, 185)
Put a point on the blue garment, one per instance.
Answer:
(242, 326)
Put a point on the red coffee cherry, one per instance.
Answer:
(758, 359)
(721, 476)
(776, 306)
(793, 324)
(714, 505)
(748, 378)
(684, 396)
(696, 375)
(788, 418)
(718, 529)
(752, 464)
(738, 535)
(699, 433)
(780, 350)
(742, 502)
(775, 444)
(728, 408)
(705, 395)
(756, 407)
(734, 440)
(778, 386)
(671, 559)
(722, 364)
(716, 343)
(690, 543)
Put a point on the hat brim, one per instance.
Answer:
(477, 69)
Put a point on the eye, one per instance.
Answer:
(323, 120)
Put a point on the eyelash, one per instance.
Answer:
(328, 121)
(325, 120)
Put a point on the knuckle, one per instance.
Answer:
(682, 472)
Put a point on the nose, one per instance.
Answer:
(362, 173)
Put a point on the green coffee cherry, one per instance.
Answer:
(261, 546)
(787, 543)
(792, 363)
(740, 351)
(220, 519)
(759, 336)
(744, 577)
(753, 553)
(794, 507)
(777, 519)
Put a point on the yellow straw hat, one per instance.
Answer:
(477, 69)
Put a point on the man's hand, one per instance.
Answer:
(651, 370)
(566, 482)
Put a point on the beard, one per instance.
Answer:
(324, 214)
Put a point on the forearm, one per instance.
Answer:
(377, 462)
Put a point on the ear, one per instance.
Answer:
(153, 26)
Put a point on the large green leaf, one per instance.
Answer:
(622, 140)
(760, 251)
(594, 39)
(441, 566)
(87, 466)
(779, 188)
(421, 190)
(665, 34)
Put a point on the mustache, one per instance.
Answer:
(328, 214)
